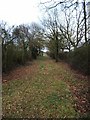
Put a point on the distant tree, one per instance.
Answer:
(53, 34)
(76, 26)
(37, 37)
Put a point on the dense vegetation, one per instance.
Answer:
(47, 87)
(20, 44)
(80, 59)
(68, 40)
(64, 40)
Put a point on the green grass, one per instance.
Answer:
(44, 95)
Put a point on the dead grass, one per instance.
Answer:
(44, 89)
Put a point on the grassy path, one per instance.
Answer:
(43, 89)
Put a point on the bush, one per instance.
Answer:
(19, 57)
(12, 57)
(80, 59)
(63, 56)
(8, 58)
(34, 53)
(51, 54)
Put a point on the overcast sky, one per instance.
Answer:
(16, 12)
(19, 11)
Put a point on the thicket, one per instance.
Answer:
(20, 44)
(68, 33)
(80, 59)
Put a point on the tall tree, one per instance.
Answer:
(84, 8)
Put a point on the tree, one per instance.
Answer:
(7, 46)
(37, 38)
(54, 34)
(20, 43)
(84, 8)
(78, 28)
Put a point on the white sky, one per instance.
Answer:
(16, 12)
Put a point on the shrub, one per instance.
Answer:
(63, 56)
(19, 57)
(8, 58)
(80, 59)
(34, 53)
(51, 54)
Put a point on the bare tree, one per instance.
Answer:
(80, 23)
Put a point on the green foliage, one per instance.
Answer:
(8, 57)
(80, 59)
(19, 57)
(34, 52)
(63, 56)
(51, 54)
(52, 49)
(20, 45)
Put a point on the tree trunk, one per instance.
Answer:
(56, 46)
(84, 7)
